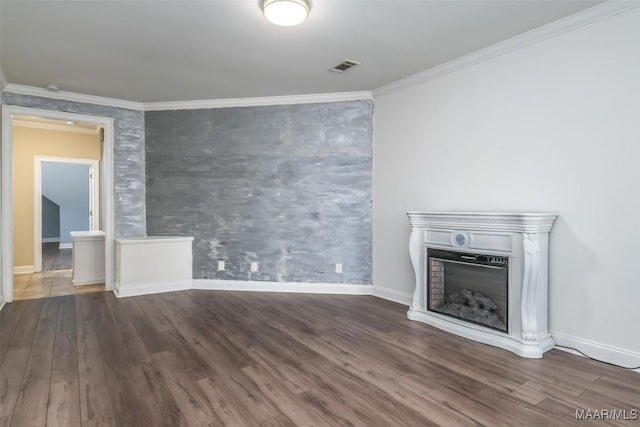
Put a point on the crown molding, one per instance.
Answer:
(261, 101)
(561, 26)
(55, 127)
(190, 105)
(72, 96)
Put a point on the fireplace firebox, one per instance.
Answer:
(470, 287)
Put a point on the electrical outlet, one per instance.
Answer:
(338, 268)
(254, 267)
(220, 265)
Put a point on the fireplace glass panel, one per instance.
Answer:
(469, 287)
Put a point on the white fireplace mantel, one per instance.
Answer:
(524, 238)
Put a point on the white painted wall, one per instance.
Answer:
(555, 127)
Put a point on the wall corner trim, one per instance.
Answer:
(403, 298)
(3, 82)
(563, 25)
(597, 351)
(74, 97)
(259, 101)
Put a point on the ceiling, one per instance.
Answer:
(154, 51)
(52, 124)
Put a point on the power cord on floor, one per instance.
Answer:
(593, 358)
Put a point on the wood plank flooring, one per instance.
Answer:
(203, 358)
(54, 259)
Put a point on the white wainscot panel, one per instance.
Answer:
(87, 257)
(153, 264)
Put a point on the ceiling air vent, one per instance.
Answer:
(344, 66)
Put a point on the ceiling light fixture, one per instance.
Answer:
(285, 13)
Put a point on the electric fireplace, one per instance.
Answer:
(483, 276)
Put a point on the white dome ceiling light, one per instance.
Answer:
(285, 13)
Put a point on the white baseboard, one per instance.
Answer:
(65, 245)
(87, 282)
(2, 302)
(295, 287)
(24, 269)
(50, 239)
(150, 288)
(403, 298)
(597, 351)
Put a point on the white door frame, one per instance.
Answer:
(94, 199)
(6, 174)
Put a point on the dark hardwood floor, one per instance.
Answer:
(203, 358)
(54, 259)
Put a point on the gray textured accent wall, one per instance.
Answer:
(289, 187)
(129, 161)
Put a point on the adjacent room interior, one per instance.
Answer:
(56, 193)
(356, 213)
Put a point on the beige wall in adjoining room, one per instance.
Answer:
(28, 143)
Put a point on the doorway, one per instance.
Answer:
(106, 171)
(66, 199)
